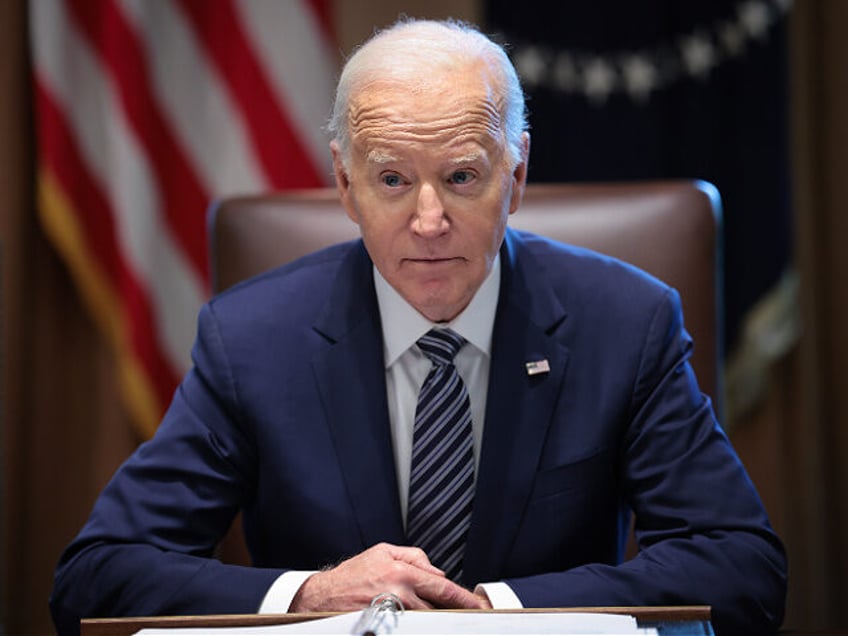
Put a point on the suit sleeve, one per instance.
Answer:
(147, 547)
(703, 535)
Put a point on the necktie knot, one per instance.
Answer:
(441, 345)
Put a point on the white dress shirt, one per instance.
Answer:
(406, 369)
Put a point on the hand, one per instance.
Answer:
(405, 572)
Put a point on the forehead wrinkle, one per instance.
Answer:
(380, 135)
(482, 118)
(381, 157)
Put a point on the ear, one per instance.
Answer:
(343, 184)
(519, 174)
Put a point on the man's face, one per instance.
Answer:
(430, 186)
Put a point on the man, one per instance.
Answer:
(571, 401)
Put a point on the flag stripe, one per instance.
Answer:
(59, 151)
(59, 219)
(91, 197)
(120, 51)
(110, 150)
(324, 17)
(145, 112)
(195, 101)
(61, 157)
(284, 35)
(283, 157)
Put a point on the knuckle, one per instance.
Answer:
(397, 568)
(418, 553)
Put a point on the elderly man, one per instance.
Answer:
(448, 410)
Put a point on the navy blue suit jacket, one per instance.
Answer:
(284, 416)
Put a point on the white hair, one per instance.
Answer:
(407, 49)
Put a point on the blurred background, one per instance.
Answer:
(121, 119)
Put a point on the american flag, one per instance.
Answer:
(146, 110)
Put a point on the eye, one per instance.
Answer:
(391, 179)
(461, 177)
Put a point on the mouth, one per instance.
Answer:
(434, 259)
(433, 265)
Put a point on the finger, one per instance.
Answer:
(413, 556)
(428, 582)
(485, 602)
(411, 601)
(445, 594)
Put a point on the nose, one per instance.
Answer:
(430, 220)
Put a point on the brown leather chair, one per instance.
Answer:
(667, 228)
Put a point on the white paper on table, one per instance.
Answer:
(424, 622)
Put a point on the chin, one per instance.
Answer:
(439, 311)
(438, 301)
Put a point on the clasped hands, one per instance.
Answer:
(403, 571)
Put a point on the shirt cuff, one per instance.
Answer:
(500, 595)
(279, 596)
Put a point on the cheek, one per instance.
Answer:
(383, 228)
(374, 218)
(487, 231)
(382, 240)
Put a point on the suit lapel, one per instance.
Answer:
(519, 410)
(350, 374)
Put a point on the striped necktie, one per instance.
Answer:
(441, 481)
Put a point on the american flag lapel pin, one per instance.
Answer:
(537, 367)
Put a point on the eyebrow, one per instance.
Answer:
(378, 156)
(471, 157)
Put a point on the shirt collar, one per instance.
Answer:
(403, 325)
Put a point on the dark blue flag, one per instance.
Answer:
(666, 89)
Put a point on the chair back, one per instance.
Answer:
(667, 228)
